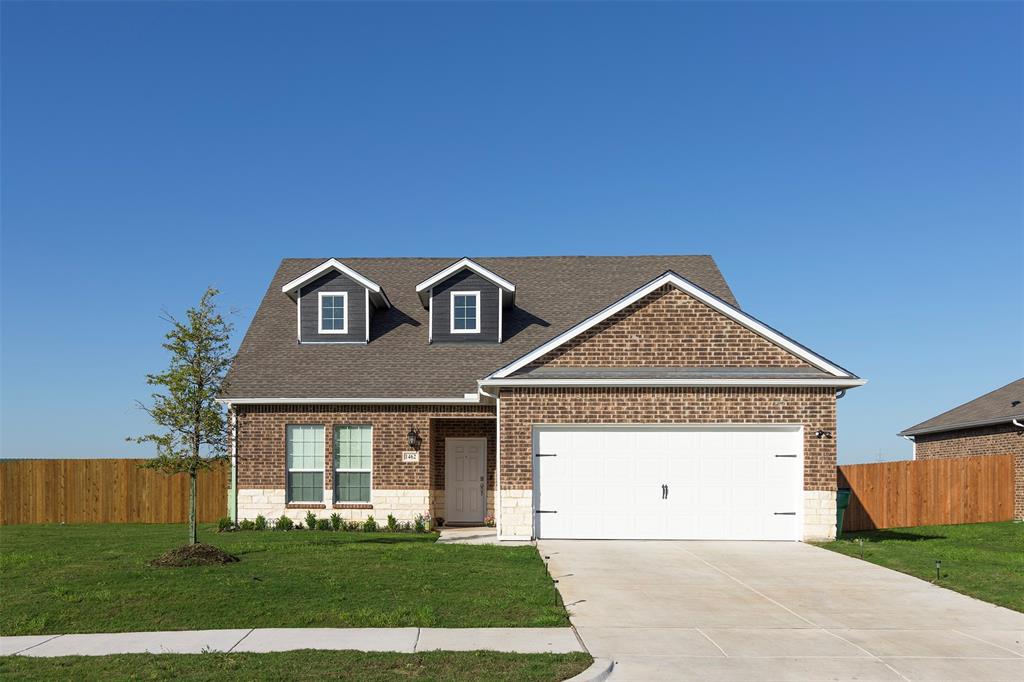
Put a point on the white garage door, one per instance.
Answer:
(687, 483)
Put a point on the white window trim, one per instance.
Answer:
(320, 312)
(451, 320)
(356, 471)
(288, 471)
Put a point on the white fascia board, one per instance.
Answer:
(700, 294)
(464, 263)
(353, 401)
(335, 264)
(844, 383)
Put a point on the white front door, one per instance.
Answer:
(465, 476)
(669, 482)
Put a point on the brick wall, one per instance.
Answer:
(261, 440)
(669, 328)
(813, 407)
(998, 439)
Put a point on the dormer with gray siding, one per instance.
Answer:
(466, 304)
(334, 304)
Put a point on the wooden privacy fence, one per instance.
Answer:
(104, 491)
(928, 492)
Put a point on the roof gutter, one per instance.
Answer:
(846, 383)
(962, 425)
(470, 399)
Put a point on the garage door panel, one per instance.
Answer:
(723, 482)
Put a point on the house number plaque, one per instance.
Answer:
(411, 456)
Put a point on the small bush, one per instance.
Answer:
(353, 526)
(370, 525)
(225, 525)
(310, 520)
(261, 522)
(335, 521)
(420, 524)
(284, 523)
(299, 526)
(246, 524)
(323, 524)
(489, 521)
(392, 523)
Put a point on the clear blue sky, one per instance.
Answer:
(855, 169)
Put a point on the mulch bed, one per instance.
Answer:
(199, 554)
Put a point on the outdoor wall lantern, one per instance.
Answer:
(821, 433)
(414, 439)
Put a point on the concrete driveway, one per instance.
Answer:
(774, 611)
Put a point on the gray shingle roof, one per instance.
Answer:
(992, 408)
(552, 294)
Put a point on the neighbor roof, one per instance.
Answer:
(992, 408)
(552, 295)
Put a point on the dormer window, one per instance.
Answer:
(333, 312)
(465, 312)
(466, 303)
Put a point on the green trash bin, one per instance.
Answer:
(842, 502)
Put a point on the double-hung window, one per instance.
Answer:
(333, 314)
(353, 463)
(465, 312)
(305, 455)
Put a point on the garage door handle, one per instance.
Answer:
(544, 511)
(541, 454)
(664, 491)
(785, 455)
(785, 513)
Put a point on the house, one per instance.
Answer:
(990, 425)
(569, 397)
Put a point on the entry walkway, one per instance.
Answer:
(261, 640)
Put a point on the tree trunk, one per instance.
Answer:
(192, 539)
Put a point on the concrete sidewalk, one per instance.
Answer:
(260, 640)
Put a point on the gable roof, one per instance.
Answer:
(380, 298)
(424, 287)
(995, 407)
(702, 295)
(398, 365)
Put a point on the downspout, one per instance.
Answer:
(233, 490)
(1016, 422)
(497, 459)
(912, 442)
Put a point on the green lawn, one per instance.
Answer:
(300, 665)
(983, 560)
(95, 578)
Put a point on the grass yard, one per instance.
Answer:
(983, 560)
(300, 665)
(95, 578)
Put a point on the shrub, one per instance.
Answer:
(370, 525)
(353, 526)
(261, 522)
(323, 524)
(246, 524)
(299, 526)
(284, 523)
(420, 524)
(335, 521)
(489, 521)
(310, 520)
(392, 523)
(225, 524)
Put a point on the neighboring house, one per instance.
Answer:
(570, 397)
(990, 425)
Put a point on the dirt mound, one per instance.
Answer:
(198, 554)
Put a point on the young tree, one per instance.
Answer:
(195, 433)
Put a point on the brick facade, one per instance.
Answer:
(668, 328)
(813, 407)
(997, 439)
(261, 439)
